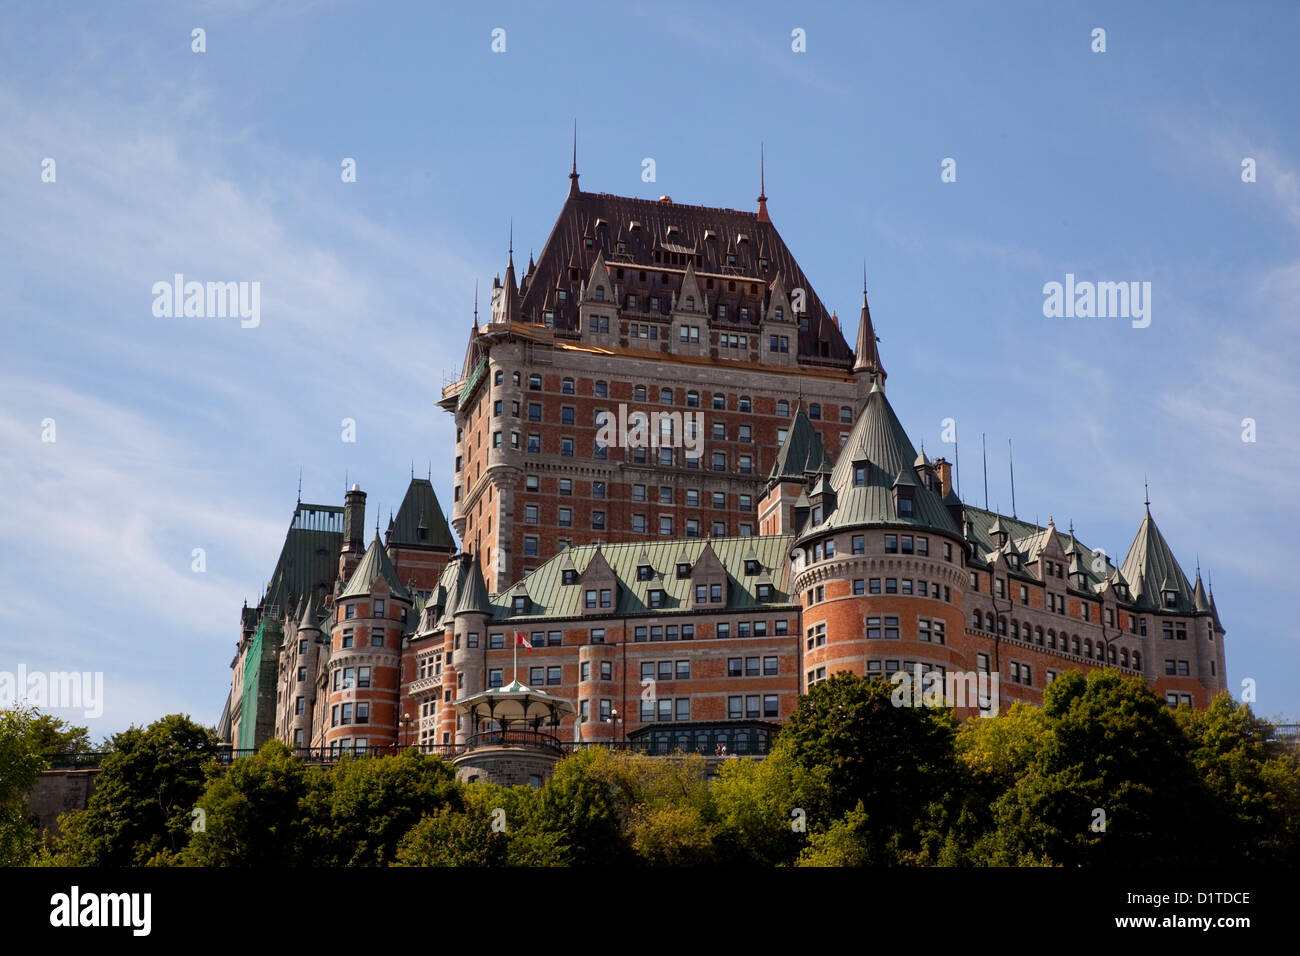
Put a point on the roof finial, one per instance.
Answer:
(1147, 488)
(762, 185)
(413, 469)
(510, 251)
(300, 484)
(864, 278)
(476, 303)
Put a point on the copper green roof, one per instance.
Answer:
(374, 565)
(473, 596)
(309, 558)
(1152, 568)
(550, 598)
(420, 522)
(879, 443)
(1029, 540)
(801, 454)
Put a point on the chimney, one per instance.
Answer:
(354, 523)
(943, 468)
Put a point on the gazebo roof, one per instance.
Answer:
(515, 701)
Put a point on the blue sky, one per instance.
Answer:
(174, 434)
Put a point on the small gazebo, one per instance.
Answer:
(513, 716)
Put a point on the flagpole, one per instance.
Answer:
(514, 675)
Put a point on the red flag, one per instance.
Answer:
(522, 640)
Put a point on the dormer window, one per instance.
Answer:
(520, 604)
(690, 303)
(569, 576)
(683, 570)
(631, 302)
(722, 311)
(765, 592)
(644, 572)
(744, 313)
(817, 515)
(1013, 560)
(751, 567)
(779, 314)
(762, 264)
(905, 502)
(859, 475)
(731, 261)
(656, 597)
(600, 293)
(1171, 598)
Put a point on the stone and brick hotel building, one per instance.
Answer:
(775, 525)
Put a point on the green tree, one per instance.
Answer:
(577, 808)
(372, 802)
(51, 735)
(20, 767)
(1253, 776)
(255, 813)
(898, 762)
(143, 797)
(1111, 746)
(767, 809)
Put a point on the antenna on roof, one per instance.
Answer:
(1012, 463)
(476, 303)
(985, 447)
(762, 185)
(300, 484)
(431, 469)
(413, 469)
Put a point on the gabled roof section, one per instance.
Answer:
(1151, 567)
(420, 522)
(802, 454)
(878, 438)
(701, 236)
(373, 566)
(550, 599)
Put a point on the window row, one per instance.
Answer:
(342, 714)
(749, 667)
(753, 705)
(665, 670)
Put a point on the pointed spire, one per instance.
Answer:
(510, 293)
(867, 353)
(762, 186)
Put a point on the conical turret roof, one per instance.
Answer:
(374, 565)
(1150, 564)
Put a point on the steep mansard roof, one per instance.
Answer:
(420, 522)
(679, 233)
(802, 453)
(374, 565)
(1029, 539)
(879, 442)
(1151, 568)
(310, 555)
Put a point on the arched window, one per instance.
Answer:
(1002, 626)
(1039, 635)
(783, 408)
(1015, 629)
(514, 379)
(665, 396)
(1123, 657)
(988, 623)
(1075, 648)
(639, 393)
(977, 621)
(1110, 654)
(1087, 648)
(692, 399)
(1137, 660)
(499, 378)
